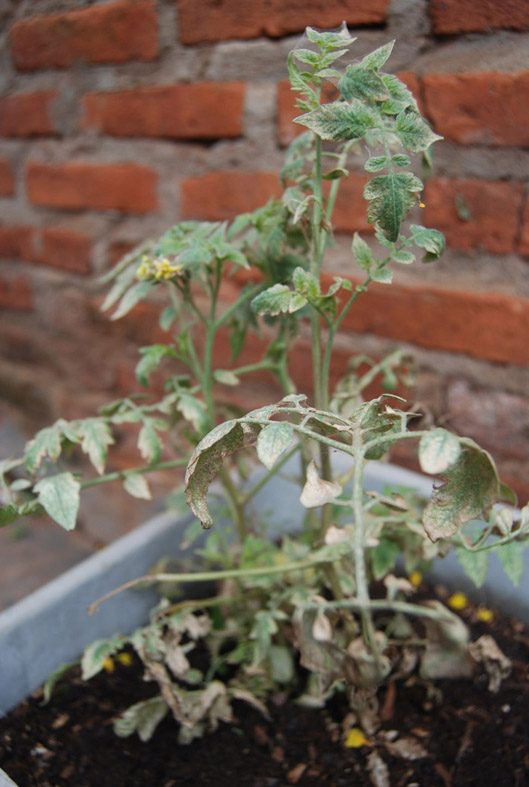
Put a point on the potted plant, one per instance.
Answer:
(322, 594)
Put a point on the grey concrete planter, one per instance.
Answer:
(51, 626)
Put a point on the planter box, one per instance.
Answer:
(51, 626)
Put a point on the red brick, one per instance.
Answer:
(493, 209)
(205, 110)
(205, 21)
(15, 293)
(27, 114)
(18, 243)
(467, 16)
(350, 211)
(487, 108)
(129, 188)
(113, 33)
(55, 247)
(485, 325)
(287, 109)
(65, 249)
(217, 196)
(524, 237)
(117, 250)
(7, 180)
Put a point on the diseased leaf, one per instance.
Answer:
(206, 460)
(362, 252)
(194, 411)
(391, 197)
(96, 654)
(136, 485)
(383, 557)
(273, 440)
(382, 275)
(339, 121)
(151, 358)
(131, 298)
(225, 377)
(317, 491)
(474, 564)
(432, 241)
(363, 83)
(59, 497)
(149, 443)
(511, 556)
(378, 57)
(47, 442)
(438, 450)
(468, 491)
(95, 438)
(375, 164)
(414, 133)
(278, 299)
(446, 651)
(142, 717)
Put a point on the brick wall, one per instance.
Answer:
(119, 118)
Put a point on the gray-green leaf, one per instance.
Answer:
(143, 718)
(59, 497)
(474, 564)
(272, 441)
(438, 450)
(339, 121)
(96, 654)
(136, 485)
(432, 241)
(414, 133)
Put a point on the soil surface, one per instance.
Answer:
(455, 732)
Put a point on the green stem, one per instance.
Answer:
(235, 503)
(122, 474)
(246, 295)
(267, 476)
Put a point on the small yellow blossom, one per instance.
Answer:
(109, 665)
(422, 205)
(415, 578)
(356, 739)
(485, 615)
(125, 659)
(457, 601)
(165, 269)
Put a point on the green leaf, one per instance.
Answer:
(96, 654)
(431, 240)
(272, 441)
(383, 557)
(149, 443)
(136, 485)
(59, 497)
(414, 133)
(512, 560)
(391, 197)
(47, 442)
(382, 275)
(378, 57)
(167, 317)
(335, 174)
(206, 460)
(400, 94)
(8, 514)
(96, 437)
(151, 358)
(474, 564)
(469, 490)
(278, 299)
(375, 164)
(363, 83)
(142, 717)
(54, 678)
(225, 377)
(403, 257)
(194, 411)
(131, 298)
(120, 286)
(339, 121)
(263, 629)
(330, 40)
(438, 450)
(362, 252)
(401, 160)
(282, 668)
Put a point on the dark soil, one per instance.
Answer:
(468, 736)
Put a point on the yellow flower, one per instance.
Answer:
(125, 659)
(109, 665)
(415, 578)
(458, 601)
(356, 739)
(485, 615)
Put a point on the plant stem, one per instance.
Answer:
(122, 474)
(235, 504)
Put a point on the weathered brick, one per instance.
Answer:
(18, 243)
(474, 214)
(223, 195)
(350, 210)
(117, 250)
(205, 110)
(129, 188)
(524, 235)
(15, 293)
(27, 114)
(467, 16)
(112, 33)
(205, 21)
(7, 179)
(65, 249)
(487, 108)
(51, 246)
(497, 420)
(485, 325)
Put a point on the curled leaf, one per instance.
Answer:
(316, 491)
